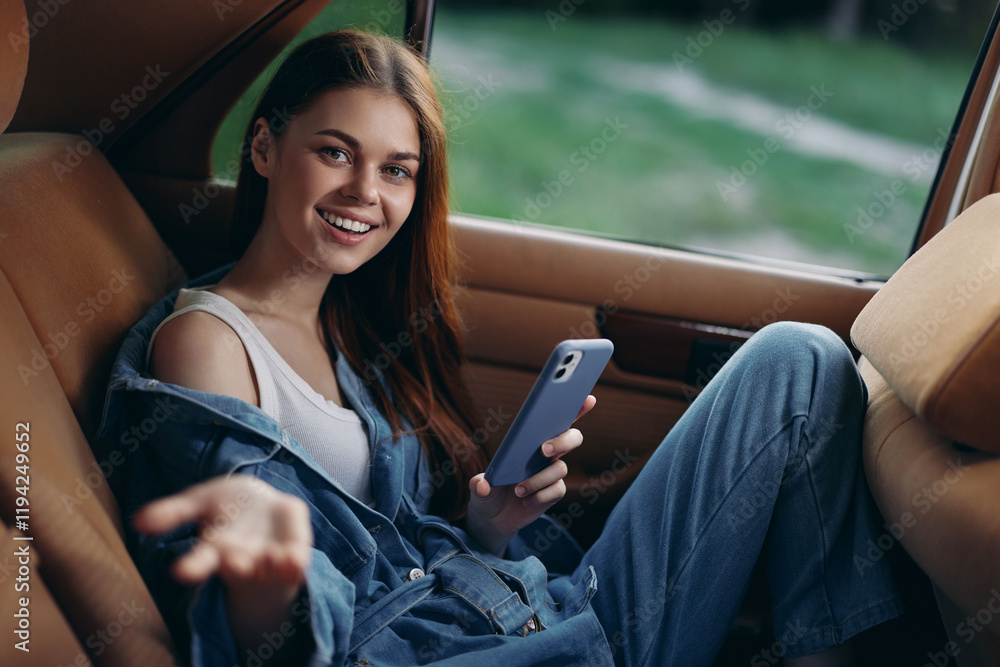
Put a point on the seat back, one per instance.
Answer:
(79, 263)
(931, 345)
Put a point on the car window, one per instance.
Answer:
(379, 16)
(794, 131)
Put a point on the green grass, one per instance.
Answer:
(658, 181)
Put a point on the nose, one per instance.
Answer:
(362, 186)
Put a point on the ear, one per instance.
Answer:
(262, 148)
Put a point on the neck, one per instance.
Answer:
(275, 280)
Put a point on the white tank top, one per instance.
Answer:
(335, 436)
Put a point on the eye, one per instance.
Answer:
(397, 172)
(338, 154)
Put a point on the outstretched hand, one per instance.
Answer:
(250, 533)
(496, 514)
(257, 539)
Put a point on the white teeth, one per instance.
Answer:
(345, 223)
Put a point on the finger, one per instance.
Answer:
(287, 564)
(479, 486)
(297, 525)
(588, 405)
(291, 556)
(548, 496)
(168, 513)
(237, 564)
(196, 565)
(550, 475)
(563, 443)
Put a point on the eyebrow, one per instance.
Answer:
(353, 142)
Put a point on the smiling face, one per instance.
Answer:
(342, 178)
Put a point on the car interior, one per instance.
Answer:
(108, 113)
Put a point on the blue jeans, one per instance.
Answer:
(767, 457)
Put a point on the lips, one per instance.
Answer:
(346, 224)
(340, 233)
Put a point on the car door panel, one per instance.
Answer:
(675, 317)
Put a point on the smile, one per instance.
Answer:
(346, 224)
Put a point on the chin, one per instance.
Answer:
(342, 268)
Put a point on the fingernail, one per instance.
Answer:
(519, 491)
(548, 448)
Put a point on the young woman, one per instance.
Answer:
(312, 508)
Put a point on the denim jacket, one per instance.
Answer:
(387, 585)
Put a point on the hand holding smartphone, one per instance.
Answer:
(554, 401)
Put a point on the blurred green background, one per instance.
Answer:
(798, 132)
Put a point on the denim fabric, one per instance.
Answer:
(672, 566)
(767, 457)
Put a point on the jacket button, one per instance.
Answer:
(415, 573)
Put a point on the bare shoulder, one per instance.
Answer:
(199, 351)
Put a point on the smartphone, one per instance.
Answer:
(554, 401)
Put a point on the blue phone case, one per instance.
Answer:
(548, 411)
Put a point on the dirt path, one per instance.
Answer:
(800, 129)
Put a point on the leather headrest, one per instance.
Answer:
(13, 58)
(933, 330)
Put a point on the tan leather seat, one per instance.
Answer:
(79, 263)
(931, 340)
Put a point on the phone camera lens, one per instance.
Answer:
(569, 358)
(560, 373)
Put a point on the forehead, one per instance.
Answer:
(380, 122)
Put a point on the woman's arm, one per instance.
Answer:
(262, 551)
(199, 351)
(497, 514)
(253, 537)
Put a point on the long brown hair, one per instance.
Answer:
(396, 309)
